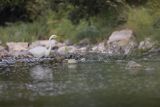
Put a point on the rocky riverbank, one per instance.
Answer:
(120, 43)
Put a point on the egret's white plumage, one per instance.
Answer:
(41, 51)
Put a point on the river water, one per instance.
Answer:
(89, 84)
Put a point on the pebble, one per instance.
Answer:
(72, 61)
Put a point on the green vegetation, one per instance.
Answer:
(28, 20)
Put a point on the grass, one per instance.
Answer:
(140, 21)
(23, 32)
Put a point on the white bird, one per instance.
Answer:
(41, 51)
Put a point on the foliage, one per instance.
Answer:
(137, 2)
(140, 21)
(144, 23)
(84, 9)
(27, 20)
(25, 10)
(90, 32)
(23, 32)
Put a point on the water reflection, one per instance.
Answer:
(84, 84)
(40, 73)
(72, 66)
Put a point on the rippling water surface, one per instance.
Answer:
(96, 84)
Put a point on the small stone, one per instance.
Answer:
(133, 65)
(72, 61)
(84, 42)
(83, 59)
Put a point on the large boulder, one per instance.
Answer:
(17, 46)
(17, 49)
(121, 42)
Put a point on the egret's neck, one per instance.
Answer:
(50, 45)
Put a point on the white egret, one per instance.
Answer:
(41, 51)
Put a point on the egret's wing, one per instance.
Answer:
(38, 51)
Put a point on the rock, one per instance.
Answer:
(2, 48)
(3, 52)
(17, 49)
(146, 44)
(100, 48)
(21, 54)
(83, 49)
(72, 61)
(67, 49)
(84, 42)
(134, 68)
(133, 65)
(121, 42)
(17, 46)
(44, 43)
(68, 42)
(59, 44)
(83, 59)
(62, 50)
(72, 49)
(125, 34)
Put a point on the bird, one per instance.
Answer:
(41, 51)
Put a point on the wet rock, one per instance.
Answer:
(133, 65)
(82, 59)
(72, 61)
(146, 44)
(17, 46)
(73, 56)
(121, 42)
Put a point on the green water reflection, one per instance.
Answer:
(82, 85)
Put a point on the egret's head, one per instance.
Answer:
(53, 36)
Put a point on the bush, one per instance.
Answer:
(90, 32)
(140, 20)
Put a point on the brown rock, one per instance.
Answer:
(17, 46)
